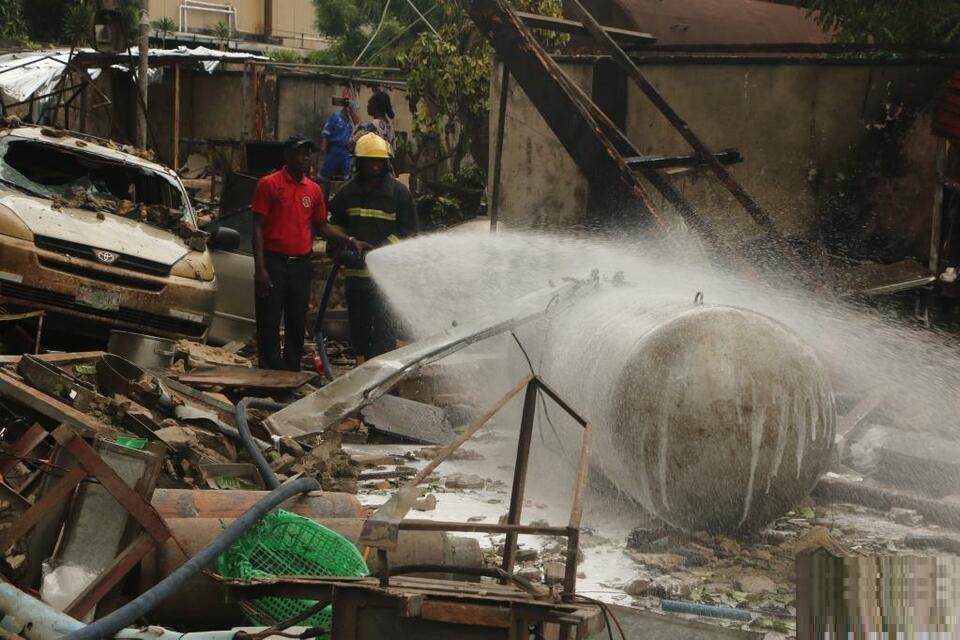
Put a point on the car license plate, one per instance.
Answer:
(102, 299)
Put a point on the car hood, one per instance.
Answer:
(112, 233)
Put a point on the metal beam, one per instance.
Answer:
(624, 37)
(609, 46)
(646, 163)
(568, 117)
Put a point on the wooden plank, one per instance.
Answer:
(23, 446)
(113, 574)
(48, 406)
(471, 614)
(34, 514)
(59, 359)
(246, 377)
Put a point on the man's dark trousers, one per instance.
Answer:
(288, 298)
(372, 328)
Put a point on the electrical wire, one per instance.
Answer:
(422, 17)
(607, 611)
(402, 32)
(376, 32)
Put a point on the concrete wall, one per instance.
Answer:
(305, 105)
(834, 152)
(541, 185)
(211, 106)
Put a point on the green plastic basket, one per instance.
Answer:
(285, 544)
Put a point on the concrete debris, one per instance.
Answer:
(553, 572)
(464, 481)
(756, 584)
(638, 588)
(426, 503)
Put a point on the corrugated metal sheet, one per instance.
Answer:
(946, 116)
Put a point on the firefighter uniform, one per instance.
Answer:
(378, 211)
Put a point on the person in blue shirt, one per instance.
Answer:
(335, 142)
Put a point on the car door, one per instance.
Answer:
(234, 312)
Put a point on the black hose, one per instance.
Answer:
(250, 444)
(126, 615)
(338, 261)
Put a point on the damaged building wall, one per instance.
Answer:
(541, 185)
(834, 150)
(212, 107)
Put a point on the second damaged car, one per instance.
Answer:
(106, 238)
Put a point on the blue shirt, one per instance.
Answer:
(338, 129)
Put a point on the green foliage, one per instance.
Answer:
(78, 24)
(448, 78)
(164, 27)
(74, 25)
(13, 29)
(447, 72)
(285, 55)
(917, 22)
(223, 32)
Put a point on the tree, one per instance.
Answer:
(917, 22)
(447, 71)
(164, 27)
(13, 29)
(74, 26)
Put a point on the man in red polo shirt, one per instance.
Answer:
(287, 206)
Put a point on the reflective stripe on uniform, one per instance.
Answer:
(360, 212)
(393, 239)
(356, 273)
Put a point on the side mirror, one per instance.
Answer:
(225, 239)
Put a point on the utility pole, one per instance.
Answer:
(143, 73)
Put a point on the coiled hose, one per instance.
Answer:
(110, 624)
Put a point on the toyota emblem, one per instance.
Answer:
(106, 257)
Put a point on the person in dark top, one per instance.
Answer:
(287, 205)
(378, 210)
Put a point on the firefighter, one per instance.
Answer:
(376, 209)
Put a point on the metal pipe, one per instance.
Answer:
(269, 477)
(705, 610)
(112, 623)
(36, 620)
(143, 73)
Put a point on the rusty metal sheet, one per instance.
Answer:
(371, 380)
(246, 377)
(408, 420)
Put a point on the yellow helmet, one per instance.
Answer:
(372, 146)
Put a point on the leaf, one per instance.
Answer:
(739, 596)
(85, 369)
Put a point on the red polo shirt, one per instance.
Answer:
(289, 208)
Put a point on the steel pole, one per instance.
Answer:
(143, 73)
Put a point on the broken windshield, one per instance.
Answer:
(88, 181)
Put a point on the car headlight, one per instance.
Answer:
(13, 226)
(195, 265)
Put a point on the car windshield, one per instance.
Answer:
(90, 181)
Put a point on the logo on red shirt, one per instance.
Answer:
(307, 202)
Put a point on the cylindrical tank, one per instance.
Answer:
(712, 418)
(233, 503)
(200, 603)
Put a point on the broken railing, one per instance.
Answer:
(332, 403)
(381, 529)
